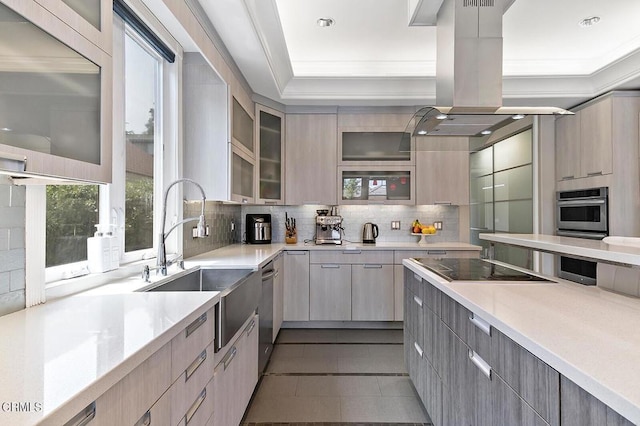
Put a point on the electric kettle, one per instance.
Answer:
(369, 233)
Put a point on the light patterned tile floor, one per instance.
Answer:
(336, 377)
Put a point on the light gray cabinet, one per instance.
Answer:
(330, 292)
(442, 170)
(270, 132)
(372, 292)
(579, 408)
(296, 286)
(311, 159)
(57, 113)
(278, 294)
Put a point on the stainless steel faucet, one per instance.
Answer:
(162, 263)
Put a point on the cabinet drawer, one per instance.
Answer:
(191, 341)
(200, 409)
(352, 257)
(399, 255)
(580, 408)
(190, 383)
(532, 379)
(509, 409)
(160, 413)
(129, 399)
(470, 328)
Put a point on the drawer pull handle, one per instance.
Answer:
(296, 253)
(418, 349)
(194, 407)
(437, 252)
(196, 324)
(330, 266)
(598, 173)
(250, 327)
(351, 251)
(417, 277)
(372, 266)
(446, 203)
(483, 325)
(195, 364)
(417, 300)
(480, 363)
(230, 357)
(145, 420)
(567, 177)
(84, 416)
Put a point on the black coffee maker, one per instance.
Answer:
(258, 227)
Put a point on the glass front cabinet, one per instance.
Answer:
(55, 91)
(270, 132)
(243, 153)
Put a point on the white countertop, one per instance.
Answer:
(588, 334)
(254, 256)
(593, 249)
(65, 353)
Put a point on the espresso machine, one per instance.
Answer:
(328, 228)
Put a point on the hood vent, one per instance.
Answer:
(469, 73)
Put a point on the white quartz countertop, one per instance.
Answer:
(254, 256)
(593, 249)
(62, 355)
(587, 334)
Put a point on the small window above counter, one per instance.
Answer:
(394, 185)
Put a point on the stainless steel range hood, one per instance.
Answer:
(469, 73)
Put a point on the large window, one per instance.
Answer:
(142, 72)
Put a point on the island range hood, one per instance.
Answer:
(469, 72)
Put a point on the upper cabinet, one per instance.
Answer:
(243, 153)
(311, 159)
(55, 91)
(270, 132)
(586, 143)
(242, 128)
(442, 170)
(374, 139)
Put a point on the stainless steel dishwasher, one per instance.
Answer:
(265, 311)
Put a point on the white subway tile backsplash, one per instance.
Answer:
(4, 239)
(18, 196)
(12, 217)
(5, 196)
(11, 260)
(17, 280)
(11, 302)
(5, 282)
(16, 238)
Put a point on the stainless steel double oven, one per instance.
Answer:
(581, 213)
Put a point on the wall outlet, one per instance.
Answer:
(194, 232)
(437, 225)
(233, 226)
(395, 225)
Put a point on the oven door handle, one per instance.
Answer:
(582, 202)
(578, 234)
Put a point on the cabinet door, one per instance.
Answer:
(398, 292)
(311, 159)
(248, 347)
(509, 409)
(580, 408)
(296, 286)
(242, 131)
(372, 292)
(270, 131)
(242, 177)
(596, 153)
(330, 292)
(278, 294)
(442, 170)
(567, 147)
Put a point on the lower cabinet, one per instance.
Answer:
(278, 295)
(579, 408)
(296, 286)
(372, 292)
(236, 376)
(330, 292)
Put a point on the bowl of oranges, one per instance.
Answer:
(424, 231)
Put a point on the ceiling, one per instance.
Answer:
(372, 56)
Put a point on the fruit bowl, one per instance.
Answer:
(423, 238)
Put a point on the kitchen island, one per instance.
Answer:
(586, 334)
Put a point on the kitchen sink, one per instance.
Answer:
(240, 292)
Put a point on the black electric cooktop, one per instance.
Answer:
(459, 269)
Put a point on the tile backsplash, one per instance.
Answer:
(12, 254)
(219, 217)
(354, 217)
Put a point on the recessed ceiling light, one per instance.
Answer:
(441, 116)
(422, 132)
(325, 22)
(486, 132)
(517, 116)
(590, 21)
(6, 129)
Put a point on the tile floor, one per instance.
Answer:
(335, 377)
